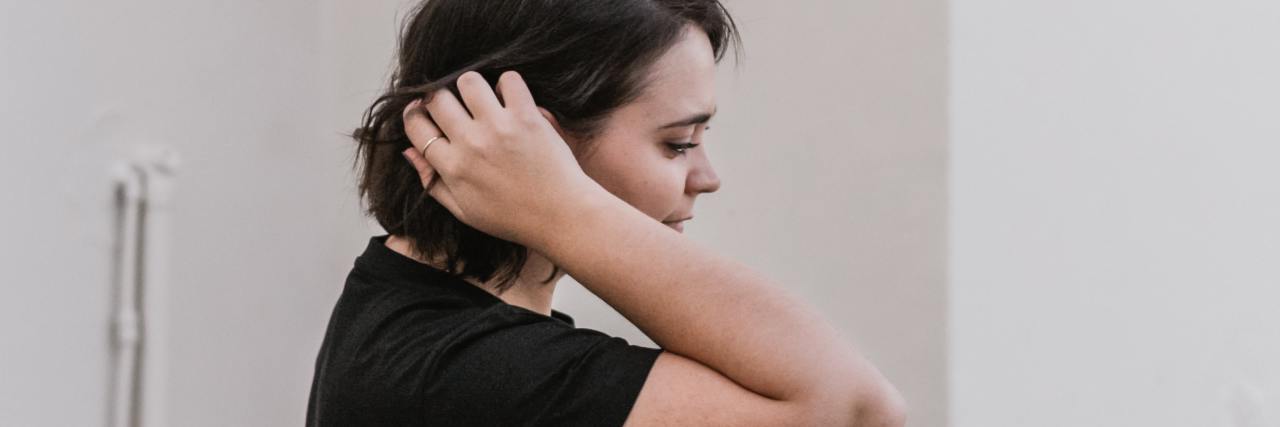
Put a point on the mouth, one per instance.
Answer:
(678, 224)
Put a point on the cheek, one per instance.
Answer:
(648, 181)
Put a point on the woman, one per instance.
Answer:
(447, 320)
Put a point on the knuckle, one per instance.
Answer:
(504, 128)
(440, 170)
(530, 117)
(458, 134)
(446, 168)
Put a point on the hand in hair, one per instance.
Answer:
(502, 169)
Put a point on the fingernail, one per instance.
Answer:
(405, 153)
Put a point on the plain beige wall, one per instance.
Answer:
(831, 146)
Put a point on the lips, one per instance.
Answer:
(677, 225)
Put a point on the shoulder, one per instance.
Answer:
(514, 366)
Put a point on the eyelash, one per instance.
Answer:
(681, 147)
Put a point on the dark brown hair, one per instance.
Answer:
(582, 59)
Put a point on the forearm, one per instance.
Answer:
(707, 307)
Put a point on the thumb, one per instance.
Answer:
(437, 190)
(425, 172)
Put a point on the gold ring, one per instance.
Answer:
(429, 141)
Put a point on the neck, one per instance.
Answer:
(527, 291)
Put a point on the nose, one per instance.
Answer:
(702, 177)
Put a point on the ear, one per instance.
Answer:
(573, 143)
(552, 118)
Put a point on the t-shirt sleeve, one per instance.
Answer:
(516, 367)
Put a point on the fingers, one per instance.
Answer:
(515, 92)
(480, 99)
(431, 181)
(448, 113)
(425, 171)
(417, 126)
(440, 192)
(420, 129)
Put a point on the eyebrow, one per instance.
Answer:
(691, 120)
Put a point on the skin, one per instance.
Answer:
(632, 157)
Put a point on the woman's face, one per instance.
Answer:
(640, 155)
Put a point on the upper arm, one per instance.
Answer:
(515, 368)
(681, 391)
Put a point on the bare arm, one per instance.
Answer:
(714, 310)
(734, 340)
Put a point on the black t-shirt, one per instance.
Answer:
(408, 344)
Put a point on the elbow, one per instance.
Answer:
(880, 406)
(870, 404)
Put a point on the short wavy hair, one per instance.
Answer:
(581, 59)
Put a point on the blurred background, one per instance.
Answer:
(1026, 213)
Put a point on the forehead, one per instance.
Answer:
(682, 81)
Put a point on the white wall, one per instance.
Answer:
(1116, 254)
(252, 95)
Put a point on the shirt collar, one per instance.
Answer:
(383, 262)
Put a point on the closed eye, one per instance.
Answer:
(681, 147)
